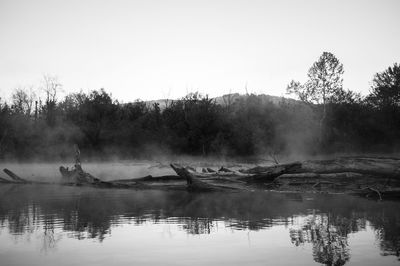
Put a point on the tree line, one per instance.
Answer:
(325, 119)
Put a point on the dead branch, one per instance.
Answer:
(373, 190)
(14, 176)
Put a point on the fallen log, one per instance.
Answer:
(210, 170)
(226, 170)
(264, 169)
(347, 175)
(77, 175)
(297, 176)
(344, 175)
(14, 176)
(344, 180)
(150, 178)
(265, 174)
(190, 168)
(380, 167)
(194, 183)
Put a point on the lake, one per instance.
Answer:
(62, 225)
(54, 225)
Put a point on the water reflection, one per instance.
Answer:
(328, 235)
(322, 221)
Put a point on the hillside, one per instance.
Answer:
(231, 98)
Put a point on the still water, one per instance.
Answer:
(54, 225)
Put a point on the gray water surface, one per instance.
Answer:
(55, 225)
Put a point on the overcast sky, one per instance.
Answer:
(156, 49)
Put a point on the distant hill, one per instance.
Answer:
(231, 98)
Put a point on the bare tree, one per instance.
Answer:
(51, 87)
(23, 99)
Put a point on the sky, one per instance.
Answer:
(155, 49)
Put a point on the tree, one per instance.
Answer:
(386, 88)
(324, 81)
(51, 86)
(385, 102)
(93, 114)
(22, 100)
(193, 123)
(5, 124)
(324, 84)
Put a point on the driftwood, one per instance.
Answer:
(195, 184)
(150, 178)
(15, 177)
(265, 174)
(224, 169)
(76, 176)
(210, 170)
(373, 177)
(380, 167)
(355, 175)
(315, 175)
(372, 166)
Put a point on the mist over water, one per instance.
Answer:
(106, 171)
(119, 169)
(160, 132)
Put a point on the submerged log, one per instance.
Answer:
(150, 178)
(3, 180)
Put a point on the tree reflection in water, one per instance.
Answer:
(328, 235)
(50, 238)
(92, 213)
(387, 226)
(198, 226)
